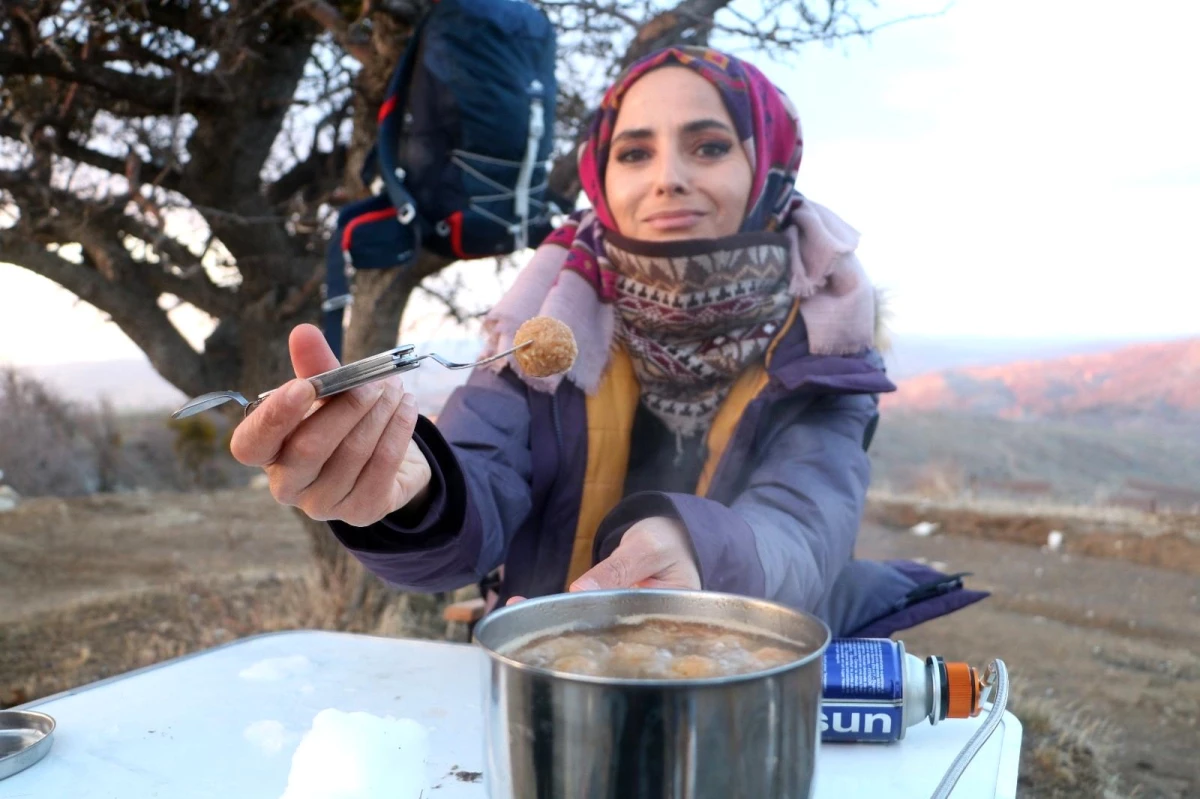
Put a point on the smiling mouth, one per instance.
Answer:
(673, 220)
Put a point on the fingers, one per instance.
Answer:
(375, 487)
(632, 561)
(258, 439)
(310, 352)
(514, 600)
(322, 462)
(313, 442)
(655, 552)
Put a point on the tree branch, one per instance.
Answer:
(193, 284)
(137, 314)
(331, 20)
(687, 23)
(156, 95)
(155, 174)
(307, 173)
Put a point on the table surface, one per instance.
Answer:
(185, 728)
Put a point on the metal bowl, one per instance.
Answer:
(551, 734)
(25, 738)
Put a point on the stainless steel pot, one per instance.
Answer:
(553, 735)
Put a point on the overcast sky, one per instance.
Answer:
(1018, 170)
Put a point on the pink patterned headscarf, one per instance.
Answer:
(764, 120)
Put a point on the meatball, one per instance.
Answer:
(548, 650)
(577, 664)
(553, 350)
(692, 666)
(771, 656)
(629, 659)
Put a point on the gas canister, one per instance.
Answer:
(873, 691)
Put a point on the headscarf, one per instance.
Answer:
(765, 122)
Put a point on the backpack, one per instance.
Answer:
(461, 158)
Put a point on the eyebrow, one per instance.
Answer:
(695, 126)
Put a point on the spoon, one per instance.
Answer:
(343, 378)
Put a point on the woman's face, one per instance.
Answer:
(676, 169)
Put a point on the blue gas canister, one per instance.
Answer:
(873, 691)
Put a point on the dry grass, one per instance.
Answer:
(1042, 508)
(1063, 752)
(62, 649)
(1163, 540)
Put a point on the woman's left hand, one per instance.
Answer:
(654, 553)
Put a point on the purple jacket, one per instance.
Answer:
(780, 519)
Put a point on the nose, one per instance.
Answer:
(672, 176)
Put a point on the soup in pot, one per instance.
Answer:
(657, 648)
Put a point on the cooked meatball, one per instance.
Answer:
(577, 664)
(694, 666)
(553, 350)
(549, 650)
(771, 656)
(628, 659)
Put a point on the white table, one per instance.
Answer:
(178, 730)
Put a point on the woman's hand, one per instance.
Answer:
(352, 458)
(654, 553)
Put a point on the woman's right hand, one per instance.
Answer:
(351, 458)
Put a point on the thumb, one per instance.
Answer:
(310, 352)
(628, 565)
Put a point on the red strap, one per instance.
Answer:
(373, 216)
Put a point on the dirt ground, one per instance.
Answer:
(1104, 653)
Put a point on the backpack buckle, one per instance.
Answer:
(338, 302)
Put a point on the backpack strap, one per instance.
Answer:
(537, 126)
(391, 122)
(380, 161)
(336, 295)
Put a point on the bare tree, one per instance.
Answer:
(155, 153)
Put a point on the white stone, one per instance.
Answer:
(924, 529)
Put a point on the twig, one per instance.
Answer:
(328, 17)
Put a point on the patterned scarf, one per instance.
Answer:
(694, 314)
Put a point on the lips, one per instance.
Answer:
(674, 220)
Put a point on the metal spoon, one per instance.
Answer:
(343, 378)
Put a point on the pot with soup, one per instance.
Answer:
(651, 694)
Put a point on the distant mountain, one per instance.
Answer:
(1159, 381)
(130, 385)
(912, 355)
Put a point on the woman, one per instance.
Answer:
(712, 431)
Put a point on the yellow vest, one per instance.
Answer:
(610, 413)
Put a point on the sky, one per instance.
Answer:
(1017, 170)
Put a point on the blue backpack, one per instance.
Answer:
(461, 158)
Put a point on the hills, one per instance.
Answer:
(1143, 383)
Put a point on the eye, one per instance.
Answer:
(714, 149)
(633, 155)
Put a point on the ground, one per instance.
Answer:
(1103, 648)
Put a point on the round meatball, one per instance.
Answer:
(771, 656)
(549, 650)
(553, 349)
(629, 659)
(693, 666)
(577, 664)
